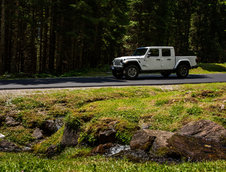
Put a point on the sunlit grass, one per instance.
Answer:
(27, 162)
(162, 107)
(208, 68)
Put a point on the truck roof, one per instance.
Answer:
(157, 47)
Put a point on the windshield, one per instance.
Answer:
(140, 52)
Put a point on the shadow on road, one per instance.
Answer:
(143, 79)
(171, 77)
(92, 80)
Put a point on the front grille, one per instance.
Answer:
(117, 62)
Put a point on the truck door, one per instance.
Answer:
(153, 60)
(167, 58)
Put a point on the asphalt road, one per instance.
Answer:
(152, 79)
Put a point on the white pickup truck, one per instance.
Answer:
(153, 59)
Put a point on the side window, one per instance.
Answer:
(154, 52)
(166, 52)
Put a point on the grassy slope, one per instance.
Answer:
(165, 108)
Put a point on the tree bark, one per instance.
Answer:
(2, 41)
(52, 42)
(14, 27)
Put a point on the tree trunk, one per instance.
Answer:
(14, 27)
(52, 40)
(2, 41)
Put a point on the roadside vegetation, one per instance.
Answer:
(208, 68)
(161, 107)
(66, 162)
(204, 68)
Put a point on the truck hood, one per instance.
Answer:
(123, 58)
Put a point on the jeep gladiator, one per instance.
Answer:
(153, 59)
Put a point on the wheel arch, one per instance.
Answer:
(132, 63)
(186, 62)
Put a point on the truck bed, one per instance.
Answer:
(192, 59)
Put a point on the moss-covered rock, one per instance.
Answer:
(110, 129)
(19, 135)
(55, 139)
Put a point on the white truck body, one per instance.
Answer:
(153, 59)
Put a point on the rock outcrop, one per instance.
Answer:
(160, 143)
(37, 134)
(70, 136)
(150, 140)
(200, 140)
(196, 149)
(196, 141)
(106, 136)
(142, 140)
(49, 127)
(10, 121)
(6, 146)
(204, 129)
(102, 148)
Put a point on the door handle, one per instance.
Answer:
(168, 59)
(157, 59)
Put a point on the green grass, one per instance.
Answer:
(27, 162)
(208, 68)
(91, 110)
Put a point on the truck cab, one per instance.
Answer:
(153, 59)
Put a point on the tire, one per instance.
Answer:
(182, 71)
(117, 75)
(166, 74)
(131, 72)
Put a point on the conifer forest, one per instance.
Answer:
(57, 36)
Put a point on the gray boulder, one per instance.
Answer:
(102, 148)
(142, 140)
(70, 136)
(196, 149)
(200, 140)
(153, 140)
(204, 129)
(160, 144)
(6, 146)
(37, 134)
(10, 121)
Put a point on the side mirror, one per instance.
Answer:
(149, 54)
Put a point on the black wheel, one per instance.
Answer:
(166, 74)
(182, 71)
(117, 74)
(131, 72)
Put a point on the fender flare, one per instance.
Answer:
(182, 61)
(134, 62)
